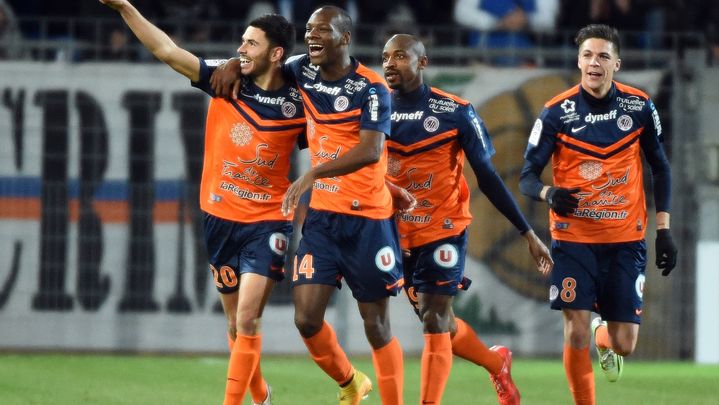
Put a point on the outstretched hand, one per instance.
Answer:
(402, 200)
(540, 253)
(666, 251)
(225, 80)
(292, 197)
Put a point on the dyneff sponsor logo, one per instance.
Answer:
(407, 116)
(269, 100)
(333, 91)
(592, 118)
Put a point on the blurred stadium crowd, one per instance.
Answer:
(45, 30)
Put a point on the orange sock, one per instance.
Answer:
(389, 367)
(258, 386)
(578, 367)
(436, 365)
(327, 353)
(466, 344)
(243, 362)
(601, 338)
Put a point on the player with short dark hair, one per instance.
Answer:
(349, 231)
(432, 133)
(248, 146)
(595, 133)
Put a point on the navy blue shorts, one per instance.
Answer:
(437, 267)
(364, 251)
(607, 278)
(235, 248)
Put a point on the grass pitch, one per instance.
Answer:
(60, 379)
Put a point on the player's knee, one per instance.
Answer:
(435, 322)
(306, 326)
(623, 348)
(577, 338)
(248, 325)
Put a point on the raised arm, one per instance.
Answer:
(157, 41)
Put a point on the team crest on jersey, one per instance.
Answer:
(241, 134)
(568, 106)
(590, 170)
(639, 285)
(393, 166)
(288, 109)
(625, 122)
(446, 256)
(341, 103)
(278, 243)
(431, 124)
(385, 260)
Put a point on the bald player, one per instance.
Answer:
(432, 134)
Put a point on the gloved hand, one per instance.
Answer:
(666, 251)
(561, 200)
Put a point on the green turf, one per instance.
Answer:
(85, 379)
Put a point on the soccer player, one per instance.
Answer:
(248, 144)
(349, 231)
(432, 133)
(594, 133)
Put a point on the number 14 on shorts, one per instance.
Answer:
(305, 268)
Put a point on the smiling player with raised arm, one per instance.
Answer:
(248, 145)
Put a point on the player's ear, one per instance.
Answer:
(346, 38)
(423, 62)
(276, 54)
(617, 65)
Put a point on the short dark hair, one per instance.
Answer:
(344, 21)
(278, 30)
(600, 31)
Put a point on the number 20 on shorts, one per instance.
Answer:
(305, 268)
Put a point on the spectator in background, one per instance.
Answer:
(118, 47)
(505, 23)
(698, 16)
(9, 33)
(622, 14)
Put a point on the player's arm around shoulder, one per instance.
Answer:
(156, 41)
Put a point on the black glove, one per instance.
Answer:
(561, 200)
(666, 251)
